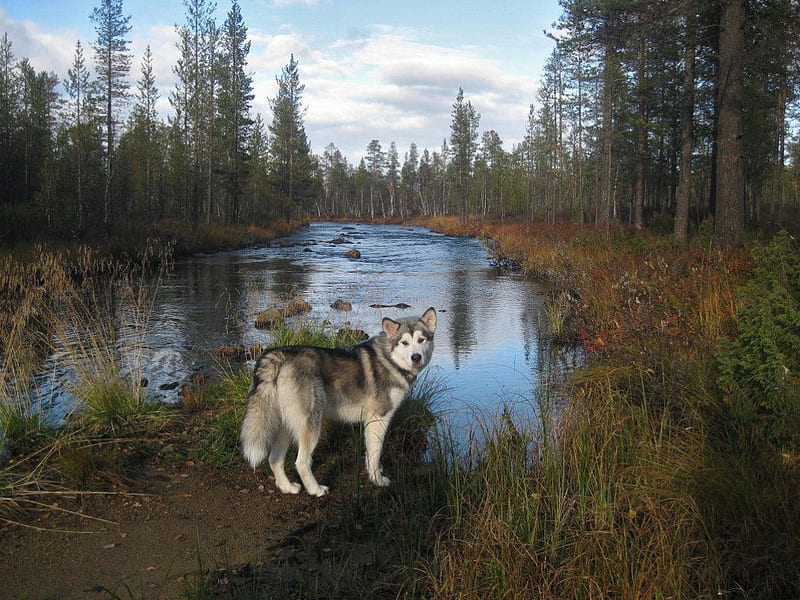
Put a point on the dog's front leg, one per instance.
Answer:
(374, 434)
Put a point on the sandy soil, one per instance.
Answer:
(181, 529)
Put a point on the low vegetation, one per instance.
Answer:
(74, 303)
(667, 467)
(670, 469)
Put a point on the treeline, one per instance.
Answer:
(98, 157)
(652, 113)
(649, 113)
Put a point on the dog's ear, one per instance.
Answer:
(429, 319)
(390, 328)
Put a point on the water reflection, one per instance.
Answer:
(491, 343)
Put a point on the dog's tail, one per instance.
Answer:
(262, 421)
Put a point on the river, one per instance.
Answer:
(491, 344)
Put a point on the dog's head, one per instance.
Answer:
(411, 340)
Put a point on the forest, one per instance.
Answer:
(656, 114)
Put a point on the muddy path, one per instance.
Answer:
(182, 529)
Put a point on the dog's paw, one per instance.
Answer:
(319, 492)
(381, 480)
(290, 488)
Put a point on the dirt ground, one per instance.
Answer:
(181, 529)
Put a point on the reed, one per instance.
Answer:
(60, 321)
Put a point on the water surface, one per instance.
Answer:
(491, 341)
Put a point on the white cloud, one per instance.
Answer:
(396, 88)
(46, 51)
(383, 82)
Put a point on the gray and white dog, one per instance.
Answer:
(295, 387)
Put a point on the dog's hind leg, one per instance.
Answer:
(307, 441)
(277, 458)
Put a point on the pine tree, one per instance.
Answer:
(235, 96)
(147, 93)
(256, 193)
(194, 102)
(392, 174)
(37, 116)
(9, 99)
(491, 172)
(376, 162)
(464, 145)
(683, 194)
(292, 168)
(144, 146)
(426, 183)
(335, 176)
(113, 62)
(81, 118)
(730, 216)
(409, 179)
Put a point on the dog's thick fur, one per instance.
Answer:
(295, 387)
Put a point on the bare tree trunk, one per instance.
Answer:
(607, 133)
(729, 219)
(684, 192)
(779, 194)
(641, 141)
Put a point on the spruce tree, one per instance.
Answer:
(113, 63)
(291, 168)
(235, 96)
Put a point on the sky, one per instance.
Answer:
(372, 69)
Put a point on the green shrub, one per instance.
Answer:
(760, 365)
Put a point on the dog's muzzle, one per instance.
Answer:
(416, 358)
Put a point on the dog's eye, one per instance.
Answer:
(404, 342)
(422, 340)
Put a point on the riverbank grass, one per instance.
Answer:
(660, 476)
(667, 468)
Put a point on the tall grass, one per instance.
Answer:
(600, 509)
(66, 311)
(644, 483)
(213, 236)
(100, 331)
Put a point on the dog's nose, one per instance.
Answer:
(415, 358)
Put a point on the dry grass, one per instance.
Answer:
(643, 483)
(213, 236)
(69, 306)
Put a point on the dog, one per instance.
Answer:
(294, 387)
